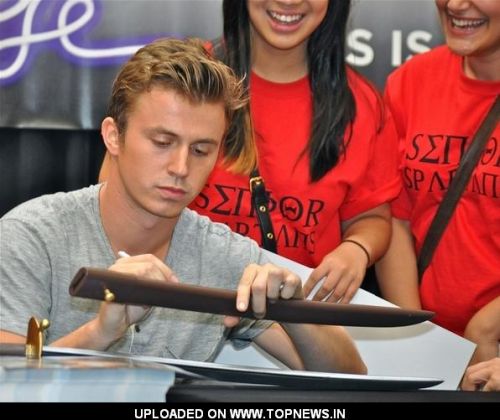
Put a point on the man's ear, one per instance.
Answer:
(110, 135)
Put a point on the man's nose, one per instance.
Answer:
(178, 164)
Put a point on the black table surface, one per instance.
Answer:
(214, 391)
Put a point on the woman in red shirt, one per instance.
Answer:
(325, 147)
(438, 100)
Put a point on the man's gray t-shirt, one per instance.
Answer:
(44, 242)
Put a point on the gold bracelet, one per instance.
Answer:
(361, 246)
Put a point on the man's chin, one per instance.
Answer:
(170, 213)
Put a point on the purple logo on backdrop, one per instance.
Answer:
(28, 27)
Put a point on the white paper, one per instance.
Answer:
(423, 350)
(246, 374)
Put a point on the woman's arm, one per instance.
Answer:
(484, 330)
(397, 270)
(365, 239)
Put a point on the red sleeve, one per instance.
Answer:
(393, 97)
(381, 182)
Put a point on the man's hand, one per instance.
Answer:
(113, 318)
(260, 283)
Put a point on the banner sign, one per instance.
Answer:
(58, 58)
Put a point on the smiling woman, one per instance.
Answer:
(325, 146)
(439, 100)
(472, 30)
(277, 28)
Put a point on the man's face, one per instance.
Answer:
(168, 150)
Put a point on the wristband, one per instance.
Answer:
(362, 247)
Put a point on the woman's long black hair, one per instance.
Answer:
(334, 107)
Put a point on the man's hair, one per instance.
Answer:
(187, 68)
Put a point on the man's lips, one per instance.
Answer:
(172, 192)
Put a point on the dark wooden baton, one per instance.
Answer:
(128, 289)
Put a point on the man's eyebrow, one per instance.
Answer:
(161, 130)
(206, 140)
(164, 131)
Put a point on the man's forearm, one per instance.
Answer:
(88, 336)
(325, 348)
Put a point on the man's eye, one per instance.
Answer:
(200, 150)
(161, 143)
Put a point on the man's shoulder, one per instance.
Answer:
(47, 207)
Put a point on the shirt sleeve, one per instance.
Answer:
(24, 270)
(400, 206)
(381, 182)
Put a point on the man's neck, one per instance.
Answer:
(130, 228)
